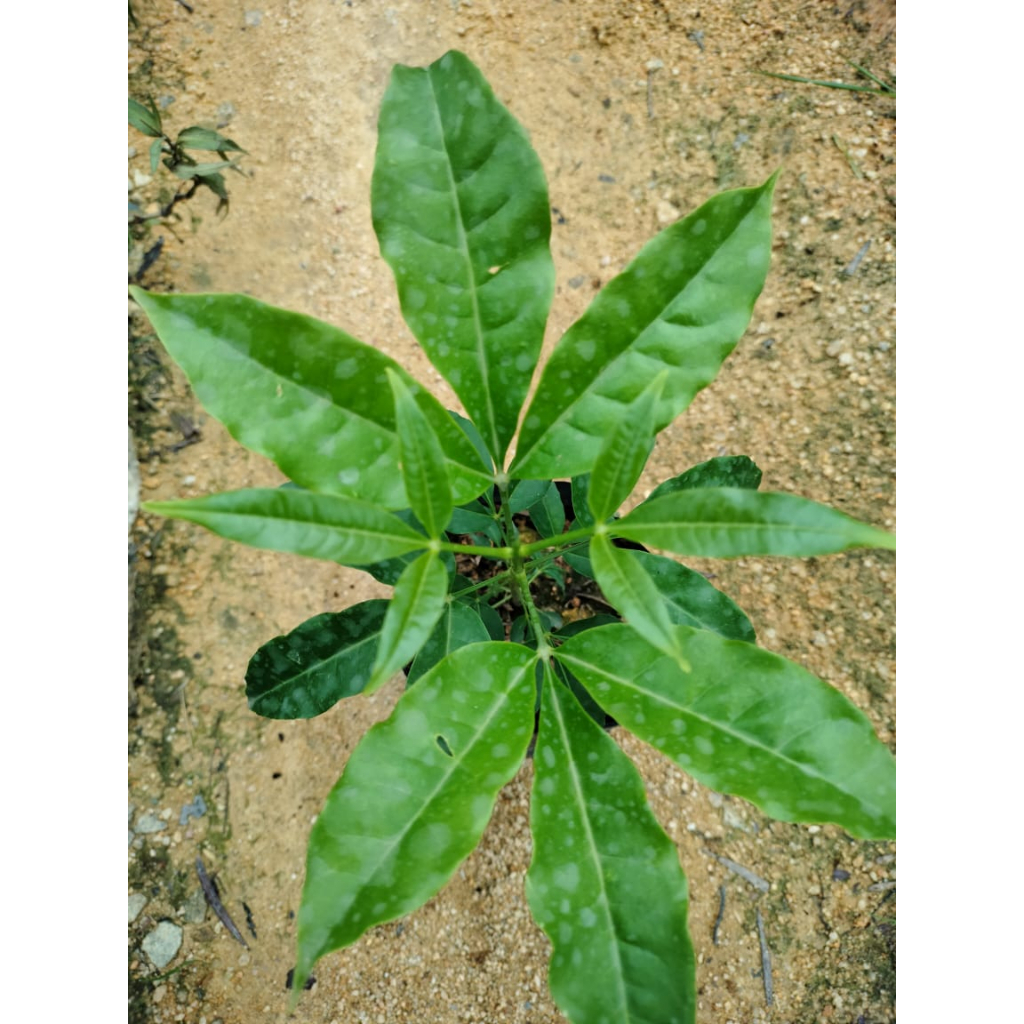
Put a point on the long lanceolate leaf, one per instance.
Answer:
(744, 721)
(460, 206)
(302, 523)
(680, 306)
(729, 522)
(304, 394)
(415, 796)
(605, 881)
(307, 671)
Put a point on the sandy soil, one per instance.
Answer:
(809, 395)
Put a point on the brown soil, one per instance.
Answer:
(808, 394)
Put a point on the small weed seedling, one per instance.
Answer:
(384, 479)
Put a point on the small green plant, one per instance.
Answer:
(882, 86)
(384, 479)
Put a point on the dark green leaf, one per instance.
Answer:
(405, 813)
(474, 518)
(155, 149)
(300, 522)
(389, 570)
(415, 607)
(525, 493)
(680, 306)
(144, 119)
(460, 207)
(605, 882)
(458, 626)
(303, 393)
(747, 722)
(423, 464)
(580, 502)
(624, 452)
(307, 671)
(548, 514)
(207, 139)
(691, 601)
(726, 471)
(730, 523)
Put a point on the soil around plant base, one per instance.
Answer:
(639, 112)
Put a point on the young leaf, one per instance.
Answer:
(548, 514)
(725, 471)
(681, 306)
(635, 595)
(155, 149)
(144, 119)
(728, 523)
(460, 206)
(624, 452)
(415, 607)
(745, 721)
(605, 882)
(307, 671)
(424, 467)
(324, 526)
(691, 601)
(406, 812)
(207, 139)
(304, 394)
(459, 626)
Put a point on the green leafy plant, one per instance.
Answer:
(882, 86)
(475, 540)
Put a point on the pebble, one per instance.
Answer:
(136, 901)
(161, 945)
(194, 908)
(667, 212)
(225, 112)
(148, 823)
(253, 18)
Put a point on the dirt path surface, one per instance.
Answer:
(639, 112)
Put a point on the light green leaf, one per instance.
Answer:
(458, 626)
(405, 813)
(624, 452)
(423, 464)
(144, 119)
(728, 522)
(300, 522)
(307, 671)
(207, 139)
(187, 171)
(460, 206)
(691, 601)
(155, 149)
(605, 882)
(745, 721)
(625, 583)
(415, 607)
(304, 394)
(724, 471)
(680, 306)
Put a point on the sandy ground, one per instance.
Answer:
(809, 394)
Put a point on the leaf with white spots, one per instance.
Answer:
(744, 721)
(415, 796)
(680, 306)
(605, 882)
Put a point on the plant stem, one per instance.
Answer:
(583, 533)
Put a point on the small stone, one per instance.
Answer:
(253, 18)
(834, 348)
(161, 945)
(577, 281)
(149, 823)
(194, 908)
(136, 901)
(668, 212)
(225, 112)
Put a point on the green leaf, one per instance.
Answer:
(580, 502)
(525, 493)
(145, 119)
(405, 813)
(605, 882)
(460, 206)
(155, 149)
(680, 306)
(475, 517)
(745, 721)
(207, 139)
(307, 671)
(458, 626)
(691, 601)
(323, 526)
(423, 464)
(188, 171)
(726, 471)
(390, 569)
(548, 514)
(304, 394)
(624, 452)
(415, 607)
(625, 583)
(729, 523)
